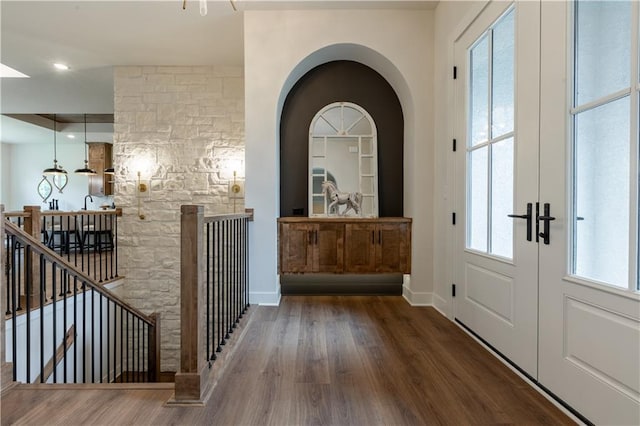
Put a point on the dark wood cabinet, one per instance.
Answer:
(311, 247)
(100, 159)
(341, 245)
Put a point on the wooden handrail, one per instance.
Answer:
(50, 255)
(116, 212)
(221, 217)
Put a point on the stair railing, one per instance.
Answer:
(87, 239)
(69, 328)
(214, 293)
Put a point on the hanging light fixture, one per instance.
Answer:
(109, 171)
(55, 170)
(85, 170)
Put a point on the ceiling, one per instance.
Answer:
(93, 36)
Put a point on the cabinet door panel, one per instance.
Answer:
(329, 248)
(391, 247)
(296, 249)
(360, 248)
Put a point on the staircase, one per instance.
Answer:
(63, 326)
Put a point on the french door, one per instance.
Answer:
(497, 97)
(589, 328)
(554, 286)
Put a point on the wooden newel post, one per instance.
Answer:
(190, 384)
(154, 348)
(33, 227)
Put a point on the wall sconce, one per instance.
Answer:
(141, 188)
(236, 186)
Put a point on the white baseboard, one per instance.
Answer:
(417, 299)
(265, 298)
(441, 305)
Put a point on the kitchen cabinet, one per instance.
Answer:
(99, 159)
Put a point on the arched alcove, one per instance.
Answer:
(340, 81)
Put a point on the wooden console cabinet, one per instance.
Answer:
(344, 245)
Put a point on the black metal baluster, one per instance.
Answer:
(14, 308)
(101, 341)
(113, 246)
(232, 251)
(28, 272)
(223, 330)
(84, 332)
(10, 288)
(76, 235)
(18, 268)
(54, 269)
(145, 350)
(225, 279)
(229, 268)
(246, 261)
(208, 282)
(64, 331)
(115, 342)
(93, 339)
(100, 244)
(216, 232)
(42, 300)
(115, 242)
(121, 344)
(108, 342)
(75, 324)
(138, 352)
(127, 328)
(83, 245)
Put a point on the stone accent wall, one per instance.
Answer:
(183, 129)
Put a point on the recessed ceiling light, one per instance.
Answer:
(6, 71)
(70, 136)
(61, 66)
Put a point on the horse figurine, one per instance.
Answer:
(351, 199)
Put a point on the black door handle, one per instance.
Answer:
(546, 218)
(525, 216)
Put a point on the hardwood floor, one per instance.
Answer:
(323, 360)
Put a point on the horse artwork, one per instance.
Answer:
(351, 199)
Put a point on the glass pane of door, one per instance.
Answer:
(602, 48)
(602, 193)
(490, 146)
(602, 141)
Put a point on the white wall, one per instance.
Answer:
(280, 46)
(5, 170)
(450, 19)
(22, 166)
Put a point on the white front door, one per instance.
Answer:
(589, 350)
(557, 145)
(497, 95)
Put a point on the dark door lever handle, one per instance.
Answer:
(527, 216)
(546, 218)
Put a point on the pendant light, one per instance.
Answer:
(55, 170)
(85, 170)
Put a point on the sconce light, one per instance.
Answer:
(236, 187)
(141, 188)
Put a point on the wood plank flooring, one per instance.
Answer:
(323, 360)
